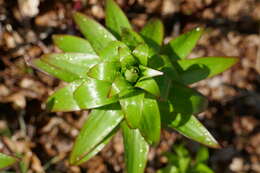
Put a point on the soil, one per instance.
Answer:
(44, 140)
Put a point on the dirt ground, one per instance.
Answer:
(44, 139)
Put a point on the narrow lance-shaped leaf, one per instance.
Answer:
(99, 147)
(6, 161)
(136, 149)
(180, 47)
(150, 123)
(150, 86)
(96, 34)
(66, 66)
(111, 51)
(70, 43)
(153, 33)
(194, 70)
(93, 93)
(63, 99)
(105, 71)
(148, 72)
(115, 18)
(98, 126)
(132, 106)
(131, 38)
(187, 125)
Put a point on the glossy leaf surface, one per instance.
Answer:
(63, 99)
(67, 66)
(70, 43)
(105, 71)
(150, 123)
(93, 93)
(97, 35)
(153, 33)
(115, 18)
(98, 126)
(132, 106)
(141, 52)
(149, 85)
(98, 148)
(6, 161)
(194, 70)
(136, 149)
(120, 86)
(149, 72)
(180, 47)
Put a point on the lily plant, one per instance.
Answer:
(130, 81)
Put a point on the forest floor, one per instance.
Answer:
(44, 139)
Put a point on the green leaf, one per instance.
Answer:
(6, 161)
(186, 100)
(201, 168)
(98, 148)
(149, 85)
(115, 18)
(148, 72)
(120, 86)
(93, 93)
(96, 34)
(98, 126)
(141, 52)
(111, 51)
(150, 123)
(132, 106)
(180, 47)
(194, 70)
(63, 99)
(126, 58)
(202, 155)
(131, 38)
(69, 43)
(169, 169)
(136, 150)
(66, 66)
(153, 33)
(105, 71)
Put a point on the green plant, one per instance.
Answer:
(131, 81)
(181, 161)
(6, 161)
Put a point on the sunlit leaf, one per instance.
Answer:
(149, 85)
(150, 123)
(180, 47)
(98, 147)
(141, 52)
(6, 161)
(153, 33)
(63, 99)
(70, 43)
(93, 93)
(136, 150)
(120, 86)
(132, 106)
(115, 18)
(187, 125)
(105, 71)
(111, 51)
(67, 66)
(202, 168)
(148, 72)
(98, 126)
(97, 35)
(194, 70)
